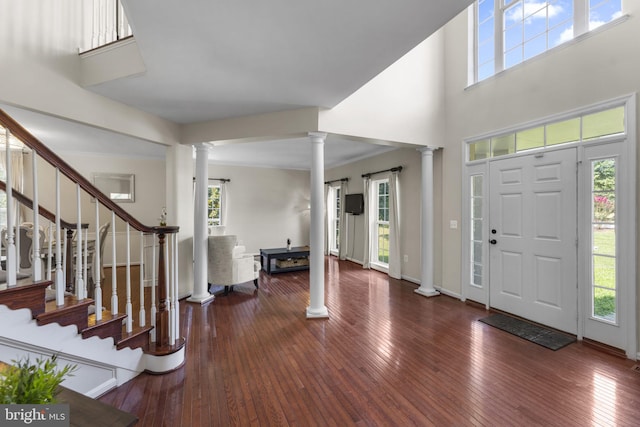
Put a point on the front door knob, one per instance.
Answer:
(493, 241)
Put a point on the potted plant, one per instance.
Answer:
(37, 383)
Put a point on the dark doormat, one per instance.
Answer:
(540, 335)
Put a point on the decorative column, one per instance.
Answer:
(426, 219)
(200, 250)
(316, 307)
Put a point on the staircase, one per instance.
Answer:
(50, 312)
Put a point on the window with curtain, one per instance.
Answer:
(214, 204)
(380, 229)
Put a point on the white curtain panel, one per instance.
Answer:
(395, 262)
(368, 220)
(223, 202)
(342, 250)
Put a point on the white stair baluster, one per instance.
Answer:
(11, 248)
(153, 289)
(97, 271)
(128, 307)
(37, 260)
(174, 287)
(49, 249)
(142, 314)
(60, 282)
(114, 286)
(79, 285)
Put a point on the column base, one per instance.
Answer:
(321, 313)
(202, 300)
(427, 292)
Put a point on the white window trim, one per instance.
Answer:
(375, 263)
(331, 209)
(209, 223)
(579, 34)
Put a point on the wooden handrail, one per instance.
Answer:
(25, 201)
(43, 151)
(56, 161)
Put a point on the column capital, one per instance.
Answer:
(427, 149)
(202, 146)
(317, 136)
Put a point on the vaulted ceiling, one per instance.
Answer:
(206, 60)
(212, 59)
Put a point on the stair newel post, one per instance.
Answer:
(60, 288)
(114, 273)
(162, 317)
(142, 314)
(97, 293)
(128, 306)
(153, 313)
(11, 248)
(79, 280)
(37, 264)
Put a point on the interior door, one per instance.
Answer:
(533, 246)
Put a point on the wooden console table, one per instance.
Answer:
(269, 258)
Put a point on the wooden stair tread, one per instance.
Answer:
(107, 317)
(72, 312)
(110, 326)
(29, 295)
(70, 303)
(138, 337)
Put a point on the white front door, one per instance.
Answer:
(532, 234)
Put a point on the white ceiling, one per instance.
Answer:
(65, 136)
(294, 153)
(212, 59)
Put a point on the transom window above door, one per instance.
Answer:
(581, 128)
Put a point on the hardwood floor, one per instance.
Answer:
(385, 357)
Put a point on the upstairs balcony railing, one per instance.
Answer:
(104, 22)
(61, 250)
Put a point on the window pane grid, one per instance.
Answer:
(381, 227)
(531, 27)
(476, 234)
(604, 296)
(214, 205)
(587, 127)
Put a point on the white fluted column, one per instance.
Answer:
(426, 219)
(316, 307)
(200, 251)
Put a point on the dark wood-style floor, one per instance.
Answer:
(385, 357)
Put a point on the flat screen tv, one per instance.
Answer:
(354, 203)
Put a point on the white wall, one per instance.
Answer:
(41, 70)
(150, 190)
(265, 206)
(410, 197)
(594, 69)
(402, 104)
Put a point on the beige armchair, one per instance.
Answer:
(228, 265)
